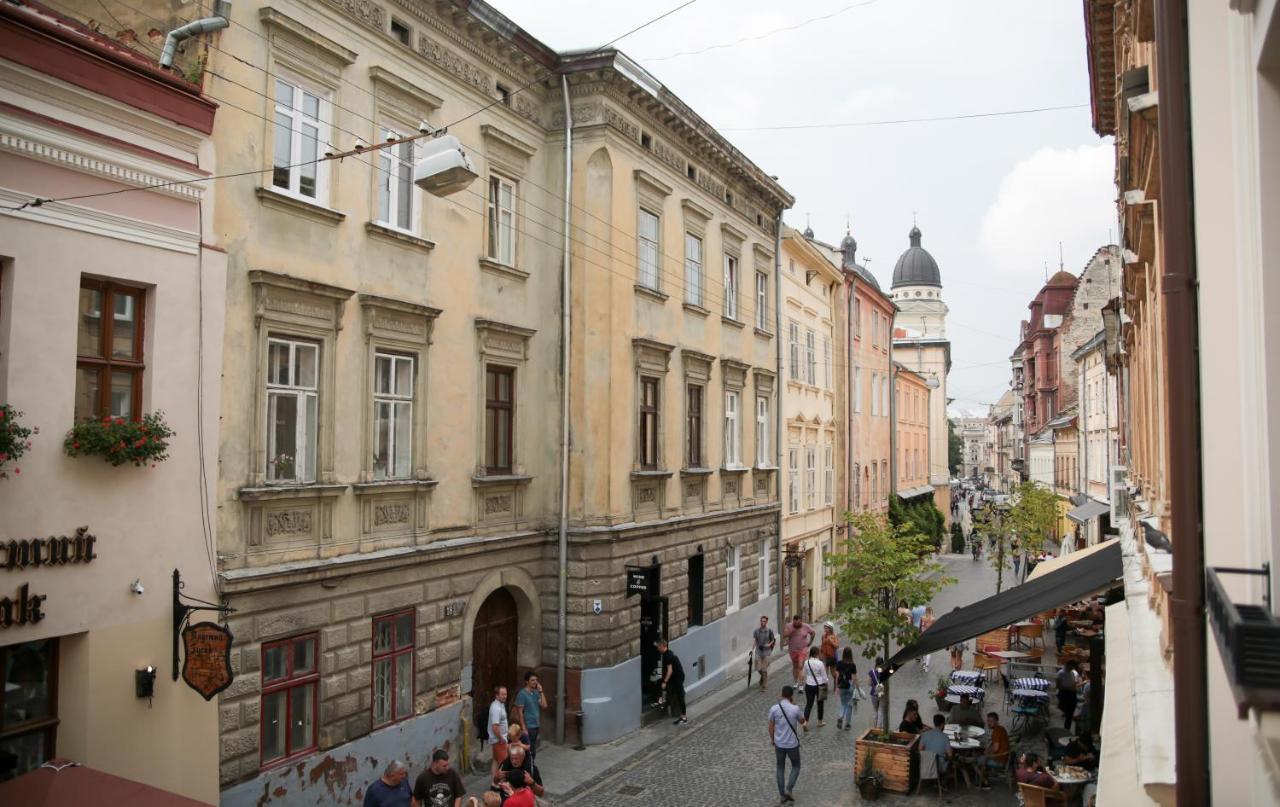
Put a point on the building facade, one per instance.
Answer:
(111, 311)
(1098, 434)
(811, 316)
(912, 425)
(973, 431)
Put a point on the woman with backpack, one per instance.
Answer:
(846, 685)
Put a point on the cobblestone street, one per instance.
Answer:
(727, 759)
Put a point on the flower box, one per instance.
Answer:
(120, 441)
(893, 754)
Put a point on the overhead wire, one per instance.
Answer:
(764, 35)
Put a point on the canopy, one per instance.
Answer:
(63, 783)
(1089, 510)
(1054, 564)
(1083, 575)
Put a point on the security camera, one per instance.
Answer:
(136, 587)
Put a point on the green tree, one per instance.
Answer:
(879, 565)
(1029, 518)
(955, 449)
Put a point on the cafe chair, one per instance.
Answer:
(929, 770)
(1036, 796)
(1030, 634)
(987, 665)
(1035, 655)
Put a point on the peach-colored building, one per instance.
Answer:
(912, 424)
(110, 305)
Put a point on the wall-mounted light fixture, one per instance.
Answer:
(144, 682)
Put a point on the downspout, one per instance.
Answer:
(777, 417)
(850, 389)
(562, 556)
(893, 422)
(219, 20)
(1182, 385)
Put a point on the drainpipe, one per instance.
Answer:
(777, 417)
(893, 423)
(562, 556)
(1182, 385)
(219, 20)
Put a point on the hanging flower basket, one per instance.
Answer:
(15, 439)
(120, 441)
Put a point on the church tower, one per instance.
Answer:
(917, 290)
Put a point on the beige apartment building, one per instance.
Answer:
(1098, 427)
(811, 317)
(111, 306)
(912, 424)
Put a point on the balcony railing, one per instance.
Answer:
(1248, 641)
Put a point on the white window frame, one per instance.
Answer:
(793, 478)
(732, 429)
(649, 257)
(826, 361)
(762, 301)
(875, 394)
(731, 286)
(857, 389)
(391, 159)
(793, 335)
(693, 252)
(828, 473)
(811, 475)
(811, 356)
(766, 553)
(884, 397)
(733, 579)
(395, 399)
(307, 400)
(297, 118)
(762, 431)
(503, 220)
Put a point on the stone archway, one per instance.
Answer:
(515, 590)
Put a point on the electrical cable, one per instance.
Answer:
(899, 121)
(758, 37)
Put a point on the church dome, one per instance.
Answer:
(916, 267)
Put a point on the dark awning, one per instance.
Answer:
(1088, 510)
(1066, 585)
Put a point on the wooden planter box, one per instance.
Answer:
(898, 762)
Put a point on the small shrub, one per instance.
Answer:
(15, 438)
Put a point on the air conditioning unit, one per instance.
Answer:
(1119, 493)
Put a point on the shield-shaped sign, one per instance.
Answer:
(207, 667)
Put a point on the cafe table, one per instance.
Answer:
(1017, 627)
(966, 676)
(1009, 655)
(1031, 683)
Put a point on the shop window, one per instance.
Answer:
(28, 706)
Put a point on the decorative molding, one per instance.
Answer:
(694, 308)
(647, 181)
(499, 340)
(397, 320)
(99, 222)
(491, 132)
(298, 301)
(400, 237)
(735, 323)
(317, 43)
(651, 355)
(384, 80)
(653, 294)
(474, 45)
(455, 65)
(506, 152)
(288, 522)
(277, 492)
(691, 207)
(497, 268)
(293, 204)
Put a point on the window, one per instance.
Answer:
(292, 404)
(732, 433)
(765, 554)
(826, 566)
(793, 478)
(401, 33)
(884, 397)
(811, 356)
(392, 668)
(392, 416)
(793, 339)
(826, 361)
(502, 220)
(730, 287)
(649, 424)
(828, 474)
(732, 578)
(811, 474)
(499, 424)
(649, 249)
(302, 125)
(692, 269)
(504, 94)
(763, 454)
(875, 329)
(290, 686)
(28, 706)
(875, 482)
(762, 301)
(396, 196)
(875, 394)
(693, 426)
(109, 363)
(695, 589)
(857, 320)
(857, 389)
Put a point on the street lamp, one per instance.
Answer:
(444, 167)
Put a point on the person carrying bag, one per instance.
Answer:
(815, 685)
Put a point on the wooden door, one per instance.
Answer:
(494, 642)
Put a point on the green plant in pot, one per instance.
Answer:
(871, 779)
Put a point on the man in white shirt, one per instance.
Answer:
(498, 728)
(784, 717)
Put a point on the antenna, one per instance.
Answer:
(1060, 265)
(913, 219)
(1046, 271)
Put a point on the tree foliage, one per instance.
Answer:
(955, 449)
(924, 516)
(1028, 520)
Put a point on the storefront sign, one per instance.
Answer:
(637, 580)
(21, 610)
(29, 553)
(207, 667)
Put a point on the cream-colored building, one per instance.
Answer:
(912, 425)
(811, 317)
(1099, 436)
(111, 305)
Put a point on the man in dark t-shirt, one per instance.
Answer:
(391, 789)
(673, 680)
(519, 761)
(439, 785)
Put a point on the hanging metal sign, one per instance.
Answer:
(207, 666)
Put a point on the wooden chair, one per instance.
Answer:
(1030, 634)
(1035, 655)
(929, 771)
(987, 665)
(1035, 796)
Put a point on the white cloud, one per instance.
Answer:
(1054, 195)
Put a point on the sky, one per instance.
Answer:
(993, 196)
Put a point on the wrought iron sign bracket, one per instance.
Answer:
(182, 612)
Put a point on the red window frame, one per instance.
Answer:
(649, 403)
(104, 364)
(500, 417)
(291, 680)
(392, 656)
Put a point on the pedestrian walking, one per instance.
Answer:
(830, 648)
(764, 640)
(673, 681)
(815, 685)
(391, 789)
(439, 785)
(498, 728)
(798, 635)
(875, 679)
(847, 687)
(1017, 560)
(1060, 631)
(784, 716)
(926, 622)
(1067, 682)
(530, 702)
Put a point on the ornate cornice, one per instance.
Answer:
(85, 161)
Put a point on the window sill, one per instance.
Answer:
(650, 474)
(490, 265)
(654, 294)
(736, 323)
(386, 233)
(273, 492)
(737, 469)
(696, 309)
(697, 471)
(762, 332)
(766, 468)
(393, 486)
(500, 479)
(294, 204)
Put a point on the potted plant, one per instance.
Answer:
(15, 439)
(869, 779)
(119, 441)
(940, 694)
(890, 756)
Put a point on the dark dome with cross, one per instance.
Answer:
(916, 267)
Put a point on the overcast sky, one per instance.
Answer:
(993, 196)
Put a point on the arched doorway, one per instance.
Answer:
(495, 638)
